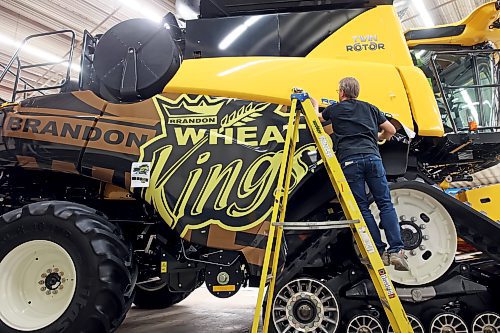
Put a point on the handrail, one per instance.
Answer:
(20, 67)
(26, 83)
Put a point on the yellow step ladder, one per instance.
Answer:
(301, 104)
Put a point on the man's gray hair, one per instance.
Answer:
(350, 87)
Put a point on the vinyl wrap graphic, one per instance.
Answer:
(213, 160)
(216, 162)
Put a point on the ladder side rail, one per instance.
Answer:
(386, 291)
(289, 157)
(274, 216)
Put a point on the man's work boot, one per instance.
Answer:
(385, 258)
(398, 259)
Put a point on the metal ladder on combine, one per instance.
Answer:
(301, 104)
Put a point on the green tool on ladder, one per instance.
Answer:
(301, 105)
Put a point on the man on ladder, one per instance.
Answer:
(302, 105)
(356, 127)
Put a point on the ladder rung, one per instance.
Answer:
(315, 225)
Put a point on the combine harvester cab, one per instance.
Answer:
(176, 135)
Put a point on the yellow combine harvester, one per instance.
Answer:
(175, 134)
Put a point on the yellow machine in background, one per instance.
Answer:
(484, 199)
(478, 27)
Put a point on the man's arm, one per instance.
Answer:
(388, 130)
(316, 108)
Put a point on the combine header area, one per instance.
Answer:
(156, 173)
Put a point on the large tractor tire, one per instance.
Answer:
(156, 296)
(64, 268)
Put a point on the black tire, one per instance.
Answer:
(151, 298)
(103, 289)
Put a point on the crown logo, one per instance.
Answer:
(186, 110)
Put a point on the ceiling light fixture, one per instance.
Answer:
(185, 12)
(145, 11)
(424, 14)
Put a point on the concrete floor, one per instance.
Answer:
(200, 312)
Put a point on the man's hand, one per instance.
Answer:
(315, 105)
(388, 130)
(381, 136)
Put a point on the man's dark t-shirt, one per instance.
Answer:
(355, 127)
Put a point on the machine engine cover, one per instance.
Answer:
(138, 54)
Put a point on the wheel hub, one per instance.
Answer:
(53, 281)
(411, 235)
(489, 329)
(305, 311)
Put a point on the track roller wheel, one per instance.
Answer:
(305, 305)
(416, 325)
(487, 322)
(448, 323)
(364, 324)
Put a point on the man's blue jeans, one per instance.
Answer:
(368, 168)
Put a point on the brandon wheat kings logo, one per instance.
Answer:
(216, 161)
(200, 110)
